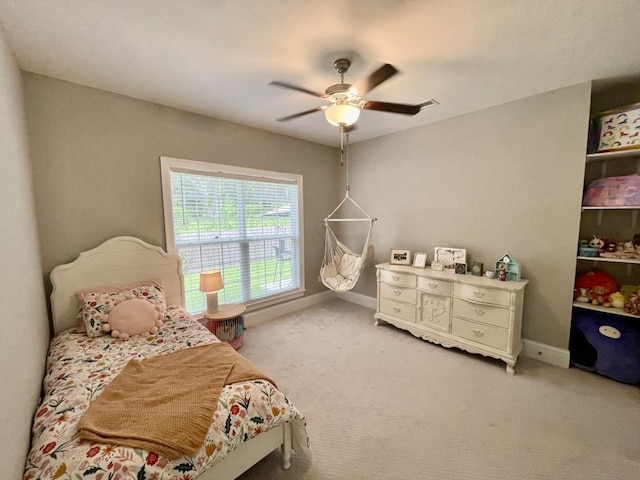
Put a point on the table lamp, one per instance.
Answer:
(210, 283)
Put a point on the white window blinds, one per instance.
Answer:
(244, 222)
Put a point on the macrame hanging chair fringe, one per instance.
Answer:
(341, 267)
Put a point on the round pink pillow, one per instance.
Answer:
(132, 318)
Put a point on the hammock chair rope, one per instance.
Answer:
(341, 267)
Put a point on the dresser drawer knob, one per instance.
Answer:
(395, 277)
(478, 311)
(397, 310)
(478, 294)
(477, 333)
(397, 292)
(433, 285)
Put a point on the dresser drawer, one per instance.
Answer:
(482, 294)
(398, 278)
(397, 309)
(401, 294)
(498, 316)
(436, 287)
(435, 312)
(477, 332)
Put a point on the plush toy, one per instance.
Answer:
(617, 300)
(610, 245)
(583, 295)
(632, 304)
(628, 290)
(599, 283)
(132, 318)
(597, 242)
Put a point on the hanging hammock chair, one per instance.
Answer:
(341, 267)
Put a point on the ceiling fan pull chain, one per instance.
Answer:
(347, 162)
(342, 145)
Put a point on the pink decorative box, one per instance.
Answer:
(613, 191)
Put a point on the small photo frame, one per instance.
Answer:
(460, 268)
(477, 268)
(420, 260)
(400, 256)
(450, 256)
(437, 266)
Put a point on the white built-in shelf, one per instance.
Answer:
(609, 310)
(606, 259)
(625, 207)
(595, 157)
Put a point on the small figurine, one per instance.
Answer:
(502, 273)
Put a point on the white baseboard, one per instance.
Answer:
(546, 353)
(276, 311)
(358, 298)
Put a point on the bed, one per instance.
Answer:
(252, 418)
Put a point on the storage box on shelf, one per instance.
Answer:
(473, 313)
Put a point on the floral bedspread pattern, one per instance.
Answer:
(79, 367)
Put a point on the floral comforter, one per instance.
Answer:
(78, 369)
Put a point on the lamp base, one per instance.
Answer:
(212, 304)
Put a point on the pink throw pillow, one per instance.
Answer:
(132, 318)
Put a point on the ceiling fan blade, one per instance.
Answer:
(296, 115)
(393, 107)
(278, 83)
(382, 74)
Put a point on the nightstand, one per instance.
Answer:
(227, 324)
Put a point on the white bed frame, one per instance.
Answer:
(124, 260)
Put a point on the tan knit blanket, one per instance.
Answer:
(165, 404)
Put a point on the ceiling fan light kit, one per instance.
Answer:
(346, 101)
(342, 113)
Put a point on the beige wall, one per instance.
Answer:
(97, 170)
(25, 334)
(504, 179)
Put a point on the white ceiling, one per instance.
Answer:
(216, 57)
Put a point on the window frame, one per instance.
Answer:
(196, 167)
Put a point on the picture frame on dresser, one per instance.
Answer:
(460, 268)
(449, 256)
(400, 256)
(477, 269)
(420, 260)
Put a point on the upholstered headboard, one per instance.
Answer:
(120, 260)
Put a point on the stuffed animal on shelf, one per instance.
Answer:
(632, 305)
(617, 300)
(597, 242)
(628, 290)
(599, 284)
(583, 295)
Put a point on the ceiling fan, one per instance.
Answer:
(345, 101)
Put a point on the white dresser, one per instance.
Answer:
(477, 314)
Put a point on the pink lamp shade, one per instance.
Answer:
(210, 283)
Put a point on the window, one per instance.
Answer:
(242, 221)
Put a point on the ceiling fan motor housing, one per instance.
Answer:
(342, 65)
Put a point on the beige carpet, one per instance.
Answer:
(381, 404)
